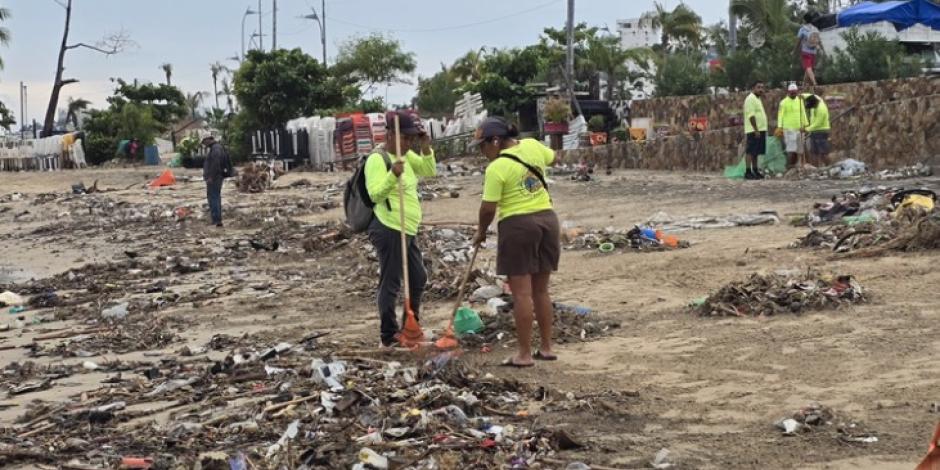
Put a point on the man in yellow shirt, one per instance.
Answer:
(818, 129)
(384, 172)
(755, 127)
(791, 124)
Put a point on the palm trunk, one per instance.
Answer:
(57, 84)
(215, 87)
(611, 85)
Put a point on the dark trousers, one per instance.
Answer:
(214, 194)
(387, 243)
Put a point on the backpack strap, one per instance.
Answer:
(531, 168)
(388, 166)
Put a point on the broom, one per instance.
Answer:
(448, 340)
(411, 334)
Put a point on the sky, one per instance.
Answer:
(191, 34)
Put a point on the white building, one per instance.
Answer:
(637, 32)
(920, 34)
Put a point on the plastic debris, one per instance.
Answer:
(117, 312)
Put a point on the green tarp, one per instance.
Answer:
(774, 162)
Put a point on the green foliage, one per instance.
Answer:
(679, 27)
(737, 71)
(373, 60)
(504, 75)
(4, 32)
(274, 87)
(437, 95)
(773, 17)
(557, 110)
(597, 123)
(188, 146)
(6, 117)
(166, 103)
(105, 128)
(869, 56)
(681, 74)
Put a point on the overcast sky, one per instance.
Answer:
(191, 34)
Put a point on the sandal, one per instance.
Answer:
(511, 362)
(539, 356)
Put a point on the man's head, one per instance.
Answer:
(208, 140)
(811, 101)
(492, 136)
(809, 17)
(410, 129)
(758, 88)
(793, 90)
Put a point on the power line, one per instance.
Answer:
(448, 28)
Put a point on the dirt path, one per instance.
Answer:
(707, 389)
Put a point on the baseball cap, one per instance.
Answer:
(793, 87)
(490, 127)
(408, 122)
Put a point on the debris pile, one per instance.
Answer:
(296, 407)
(257, 177)
(609, 239)
(854, 169)
(815, 418)
(783, 292)
(571, 325)
(669, 223)
(864, 205)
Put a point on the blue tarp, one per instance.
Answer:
(902, 14)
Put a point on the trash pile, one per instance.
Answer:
(890, 219)
(257, 177)
(868, 204)
(581, 172)
(815, 418)
(609, 239)
(428, 191)
(290, 406)
(669, 223)
(854, 169)
(781, 292)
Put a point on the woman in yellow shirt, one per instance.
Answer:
(529, 236)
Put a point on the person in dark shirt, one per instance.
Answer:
(213, 173)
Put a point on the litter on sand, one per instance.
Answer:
(778, 293)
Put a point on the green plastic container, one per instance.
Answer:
(467, 321)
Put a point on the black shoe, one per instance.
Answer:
(219, 225)
(758, 175)
(749, 175)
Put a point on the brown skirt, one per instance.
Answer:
(529, 244)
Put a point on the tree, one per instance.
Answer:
(274, 87)
(680, 75)
(373, 60)
(606, 55)
(216, 69)
(505, 74)
(167, 104)
(6, 117)
(773, 17)
(193, 101)
(227, 92)
(75, 106)
(469, 68)
(168, 71)
(437, 95)
(870, 56)
(4, 32)
(681, 24)
(108, 46)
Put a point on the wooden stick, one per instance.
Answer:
(401, 217)
(37, 430)
(285, 404)
(68, 334)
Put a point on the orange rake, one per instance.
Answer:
(448, 340)
(411, 334)
(932, 460)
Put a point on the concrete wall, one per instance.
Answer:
(885, 124)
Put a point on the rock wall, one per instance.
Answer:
(884, 124)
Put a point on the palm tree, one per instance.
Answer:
(216, 69)
(193, 100)
(74, 107)
(773, 17)
(168, 71)
(680, 24)
(4, 32)
(227, 92)
(469, 68)
(606, 55)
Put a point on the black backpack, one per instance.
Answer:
(228, 170)
(356, 201)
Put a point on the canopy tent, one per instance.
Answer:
(902, 14)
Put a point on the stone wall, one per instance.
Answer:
(884, 124)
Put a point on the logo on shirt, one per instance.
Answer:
(531, 183)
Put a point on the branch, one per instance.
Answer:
(110, 45)
(68, 81)
(60, 3)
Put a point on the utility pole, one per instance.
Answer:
(323, 30)
(22, 111)
(569, 60)
(260, 28)
(274, 26)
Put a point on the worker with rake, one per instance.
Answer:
(392, 182)
(529, 244)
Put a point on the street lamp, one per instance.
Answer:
(322, 24)
(248, 12)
